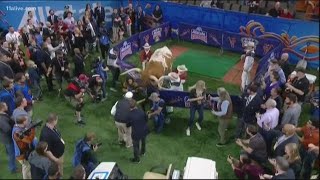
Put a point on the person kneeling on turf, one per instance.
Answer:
(75, 93)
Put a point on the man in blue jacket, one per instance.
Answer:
(7, 95)
(137, 120)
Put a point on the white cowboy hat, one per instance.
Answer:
(250, 44)
(146, 46)
(182, 68)
(174, 76)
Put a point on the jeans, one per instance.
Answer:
(12, 159)
(193, 110)
(104, 91)
(37, 91)
(159, 122)
(137, 151)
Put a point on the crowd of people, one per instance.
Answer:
(269, 132)
(48, 48)
(267, 122)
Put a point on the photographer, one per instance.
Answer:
(84, 153)
(75, 93)
(100, 68)
(24, 143)
(60, 68)
(95, 87)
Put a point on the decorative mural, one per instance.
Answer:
(303, 47)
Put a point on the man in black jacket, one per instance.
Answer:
(251, 105)
(137, 120)
(6, 125)
(52, 136)
(52, 18)
(99, 14)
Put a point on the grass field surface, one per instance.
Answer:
(210, 64)
(171, 146)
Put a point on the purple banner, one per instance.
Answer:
(199, 34)
(235, 42)
(179, 99)
(155, 35)
(128, 47)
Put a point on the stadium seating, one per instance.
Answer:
(244, 8)
(299, 9)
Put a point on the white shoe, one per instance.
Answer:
(188, 132)
(198, 126)
(113, 89)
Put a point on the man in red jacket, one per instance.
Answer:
(145, 55)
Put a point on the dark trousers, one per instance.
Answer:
(193, 110)
(11, 157)
(137, 148)
(241, 128)
(140, 26)
(115, 75)
(268, 137)
(133, 28)
(49, 82)
(308, 159)
(104, 91)
(104, 50)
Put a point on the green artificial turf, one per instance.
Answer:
(210, 64)
(171, 146)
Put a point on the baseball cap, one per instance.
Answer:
(83, 77)
(300, 69)
(128, 95)
(153, 96)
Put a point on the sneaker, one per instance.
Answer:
(188, 132)
(220, 145)
(198, 126)
(143, 154)
(136, 161)
(81, 122)
(121, 142)
(129, 146)
(103, 99)
(113, 89)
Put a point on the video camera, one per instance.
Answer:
(98, 145)
(28, 130)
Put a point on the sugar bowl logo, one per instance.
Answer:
(245, 41)
(156, 34)
(125, 50)
(199, 34)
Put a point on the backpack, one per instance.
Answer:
(81, 148)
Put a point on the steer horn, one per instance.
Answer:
(130, 70)
(154, 78)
